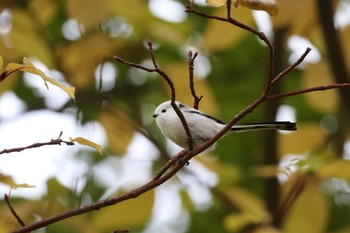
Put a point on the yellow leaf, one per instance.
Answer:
(265, 171)
(309, 214)
(212, 35)
(295, 142)
(236, 222)
(127, 214)
(26, 39)
(252, 209)
(270, 6)
(81, 67)
(299, 17)
(338, 168)
(119, 128)
(216, 3)
(86, 142)
(266, 229)
(81, 11)
(10, 182)
(27, 66)
(315, 75)
(1, 62)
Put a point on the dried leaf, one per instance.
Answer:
(86, 142)
(1, 62)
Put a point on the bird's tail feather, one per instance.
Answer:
(279, 125)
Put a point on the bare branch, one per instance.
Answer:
(57, 141)
(307, 90)
(191, 58)
(121, 231)
(150, 49)
(289, 68)
(7, 200)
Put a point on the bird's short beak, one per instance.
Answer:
(154, 115)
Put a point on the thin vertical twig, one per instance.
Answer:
(191, 58)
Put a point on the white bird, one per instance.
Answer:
(202, 126)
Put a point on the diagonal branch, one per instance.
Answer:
(14, 213)
(291, 67)
(101, 204)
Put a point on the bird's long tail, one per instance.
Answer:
(279, 125)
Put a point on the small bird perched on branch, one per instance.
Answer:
(202, 126)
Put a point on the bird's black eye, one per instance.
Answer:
(163, 110)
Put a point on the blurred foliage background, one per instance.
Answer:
(243, 185)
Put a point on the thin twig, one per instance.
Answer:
(151, 51)
(289, 68)
(191, 58)
(230, 20)
(307, 90)
(19, 220)
(121, 231)
(57, 141)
